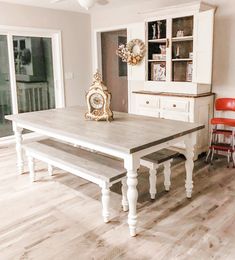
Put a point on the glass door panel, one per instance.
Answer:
(5, 89)
(182, 49)
(34, 73)
(157, 44)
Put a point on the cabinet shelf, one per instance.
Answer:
(157, 40)
(186, 59)
(156, 60)
(182, 39)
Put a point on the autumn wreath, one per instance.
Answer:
(133, 52)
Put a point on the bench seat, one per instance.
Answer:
(153, 161)
(97, 168)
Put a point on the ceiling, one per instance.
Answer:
(72, 5)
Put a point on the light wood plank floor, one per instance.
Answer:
(60, 217)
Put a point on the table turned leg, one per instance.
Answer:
(131, 165)
(190, 142)
(19, 151)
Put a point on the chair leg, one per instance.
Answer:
(153, 181)
(50, 170)
(31, 165)
(167, 175)
(105, 202)
(208, 155)
(228, 158)
(124, 195)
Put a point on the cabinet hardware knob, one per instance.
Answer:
(147, 102)
(167, 43)
(174, 105)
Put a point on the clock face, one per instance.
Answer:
(96, 101)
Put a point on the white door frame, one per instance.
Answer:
(97, 55)
(55, 36)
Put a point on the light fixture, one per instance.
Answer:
(86, 3)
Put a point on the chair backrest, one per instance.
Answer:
(225, 104)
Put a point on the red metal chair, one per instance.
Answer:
(219, 131)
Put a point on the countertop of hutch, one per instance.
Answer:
(145, 92)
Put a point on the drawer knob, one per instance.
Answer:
(174, 105)
(147, 102)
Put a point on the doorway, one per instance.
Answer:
(28, 75)
(114, 71)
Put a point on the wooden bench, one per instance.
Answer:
(96, 168)
(153, 161)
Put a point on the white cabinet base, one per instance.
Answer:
(187, 108)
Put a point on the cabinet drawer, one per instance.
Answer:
(175, 116)
(148, 112)
(147, 101)
(175, 105)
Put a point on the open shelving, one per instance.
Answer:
(170, 41)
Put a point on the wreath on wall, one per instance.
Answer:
(133, 52)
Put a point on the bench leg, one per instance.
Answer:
(50, 170)
(153, 181)
(105, 202)
(167, 175)
(124, 195)
(31, 164)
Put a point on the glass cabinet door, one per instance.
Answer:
(170, 50)
(157, 44)
(182, 49)
(5, 89)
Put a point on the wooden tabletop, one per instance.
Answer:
(127, 133)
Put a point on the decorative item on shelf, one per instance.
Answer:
(191, 55)
(160, 57)
(133, 52)
(177, 54)
(158, 71)
(163, 49)
(180, 33)
(98, 101)
(154, 32)
(159, 23)
(189, 72)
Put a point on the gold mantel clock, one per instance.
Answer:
(98, 101)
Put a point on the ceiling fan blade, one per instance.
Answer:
(102, 2)
(56, 1)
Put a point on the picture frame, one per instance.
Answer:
(189, 72)
(158, 71)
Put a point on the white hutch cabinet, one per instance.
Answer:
(174, 80)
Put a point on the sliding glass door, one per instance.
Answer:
(5, 89)
(30, 75)
(34, 73)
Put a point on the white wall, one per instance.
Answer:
(76, 39)
(224, 37)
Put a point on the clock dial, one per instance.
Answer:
(96, 101)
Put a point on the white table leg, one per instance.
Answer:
(131, 165)
(124, 195)
(190, 142)
(19, 151)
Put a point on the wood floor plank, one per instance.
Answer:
(59, 217)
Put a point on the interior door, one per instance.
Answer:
(114, 70)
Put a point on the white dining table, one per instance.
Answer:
(128, 137)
